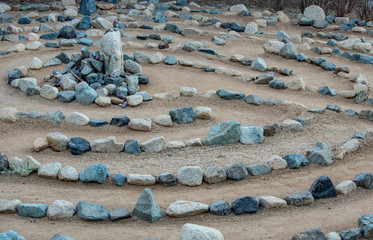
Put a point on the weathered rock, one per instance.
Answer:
(132, 67)
(251, 134)
(32, 210)
(292, 125)
(289, 51)
(254, 99)
(77, 119)
(214, 174)
(60, 209)
(9, 115)
(220, 208)
(141, 180)
(58, 141)
(119, 179)
(277, 163)
(346, 187)
(315, 13)
(61, 237)
(10, 235)
(257, 169)
(167, 179)
(320, 154)
(272, 202)
(366, 225)
(78, 145)
(259, 64)
(245, 205)
(190, 176)
(183, 115)
(273, 46)
(107, 145)
(364, 180)
(50, 170)
(94, 173)
(203, 112)
(223, 133)
(237, 171)
(192, 231)
(112, 51)
(323, 187)
(146, 209)
(296, 160)
(315, 233)
(54, 116)
(182, 208)
(85, 95)
(300, 198)
(68, 174)
(9, 206)
(157, 144)
(91, 211)
(352, 233)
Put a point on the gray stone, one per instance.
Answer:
(58, 141)
(91, 211)
(119, 213)
(157, 144)
(94, 173)
(315, 234)
(245, 205)
(132, 84)
(351, 234)
(264, 78)
(146, 209)
(220, 208)
(214, 174)
(85, 95)
(320, 154)
(254, 99)
(141, 179)
(315, 13)
(182, 208)
(32, 210)
(68, 174)
(107, 145)
(259, 64)
(237, 171)
(229, 95)
(289, 51)
(257, 169)
(61, 237)
(223, 134)
(300, 198)
(192, 231)
(112, 51)
(366, 225)
(190, 176)
(364, 180)
(50, 170)
(251, 134)
(183, 115)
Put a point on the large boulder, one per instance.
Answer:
(192, 231)
(112, 51)
(94, 173)
(315, 13)
(223, 134)
(146, 209)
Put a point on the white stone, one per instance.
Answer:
(31, 163)
(163, 120)
(25, 83)
(209, 94)
(333, 236)
(277, 163)
(35, 45)
(32, 37)
(77, 119)
(183, 208)
(107, 145)
(9, 206)
(203, 112)
(157, 58)
(103, 101)
(68, 174)
(157, 144)
(283, 18)
(161, 96)
(251, 28)
(351, 145)
(341, 20)
(296, 83)
(190, 176)
(358, 87)
(60, 209)
(141, 180)
(134, 100)
(314, 12)
(58, 141)
(112, 51)
(4, 7)
(347, 93)
(348, 43)
(188, 91)
(35, 63)
(346, 187)
(261, 22)
(9, 115)
(94, 33)
(175, 145)
(49, 92)
(192, 231)
(40, 143)
(195, 142)
(257, 14)
(272, 202)
(363, 47)
(20, 47)
(102, 23)
(238, 8)
(273, 46)
(49, 170)
(359, 29)
(140, 124)
(292, 125)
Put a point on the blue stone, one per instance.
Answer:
(183, 115)
(15, 74)
(208, 51)
(121, 92)
(334, 108)
(80, 35)
(327, 66)
(306, 21)
(85, 23)
(91, 211)
(185, 16)
(146, 209)
(346, 55)
(332, 43)
(119, 179)
(167, 179)
(173, 28)
(320, 154)
(223, 133)
(87, 7)
(22, 38)
(220, 208)
(61, 237)
(257, 169)
(316, 110)
(128, 57)
(282, 34)
(320, 24)
(145, 96)
(67, 32)
(54, 116)
(85, 95)
(24, 20)
(323, 187)
(300, 198)
(301, 57)
(302, 121)
(336, 51)
(85, 41)
(78, 145)
(254, 99)
(366, 225)
(296, 160)
(52, 44)
(66, 96)
(132, 146)
(94, 173)
(11, 235)
(324, 90)
(170, 60)
(215, 11)
(237, 171)
(251, 134)
(143, 79)
(229, 95)
(277, 84)
(159, 17)
(32, 210)
(209, 69)
(272, 101)
(237, 27)
(317, 61)
(97, 123)
(120, 121)
(330, 19)
(346, 26)
(245, 205)
(364, 180)
(360, 135)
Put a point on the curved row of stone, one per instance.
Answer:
(146, 208)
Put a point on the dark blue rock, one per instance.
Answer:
(162, 7)
(364, 180)
(86, 41)
(296, 160)
(22, 38)
(27, 7)
(97, 123)
(128, 57)
(366, 114)
(229, 95)
(306, 21)
(183, 115)
(366, 225)
(15, 74)
(324, 90)
(61, 237)
(87, 7)
(332, 43)
(283, 34)
(220, 208)
(66, 96)
(245, 205)
(49, 36)
(317, 61)
(4, 32)
(170, 60)
(254, 99)
(173, 28)
(78, 145)
(24, 20)
(334, 108)
(119, 179)
(277, 84)
(121, 92)
(301, 57)
(237, 27)
(54, 116)
(11, 235)
(181, 3)
(207, 50)
(143, 80)
(91, 211)
(320, 154)
(323, 187)
(94, 173)
(327, 66)
(336, 51)
(63, 57)
(346, 26)
(320, 24)
(237, 171)
(32, 210)
(159, 17)
(67, 32)
(185, 16)
(303, 121)
(300, 198)
(120, 121)
(316, 110)
(146, 209)
(209, 69)
(223, 133)
(85, 95)
(351, 234)
(119, 213)
(85, 23)
(132, 146)
(167, 179)
(257, 169)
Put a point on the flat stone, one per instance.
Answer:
(223, 133)
(119, 213)
(257, 169)
(292, 125)
(140, 124)
(314, 233)
(192, 231)
(120, 121)
(229, 95)
(32, 210)
(182, 208)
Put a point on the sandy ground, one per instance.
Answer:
(332, 128)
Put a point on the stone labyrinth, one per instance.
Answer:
(173, 120)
